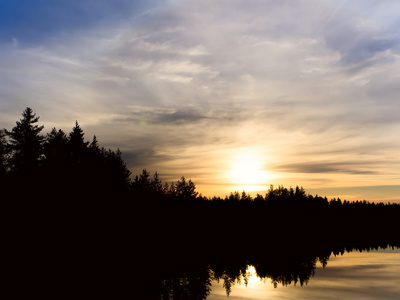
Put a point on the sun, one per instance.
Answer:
(247, 171)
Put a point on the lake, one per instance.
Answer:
(211, 249)
(354, 275)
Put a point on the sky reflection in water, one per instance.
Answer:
(355, 275)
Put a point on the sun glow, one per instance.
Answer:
(247, 172)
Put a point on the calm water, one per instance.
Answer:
(354, 275)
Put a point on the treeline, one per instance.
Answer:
(65, 166)
(143, 227)
(65, 162)
(308, 220)
(58, 165)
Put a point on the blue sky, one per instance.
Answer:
(304, 91)
(34, 21)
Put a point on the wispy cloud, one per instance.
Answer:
(350, 167)
(312, 85)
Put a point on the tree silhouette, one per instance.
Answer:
(115, 171)
(61, 166)
(185, 189)
(142, 182)
(77, 145)
(94, 145)
(157, 184)
(26, 143)
(56, 147)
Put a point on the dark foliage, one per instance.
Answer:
(26, 143)
(77, 223)
(59, 166)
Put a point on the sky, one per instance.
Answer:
(231, 94)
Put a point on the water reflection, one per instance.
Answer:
(178, 248)
(199, 280)
(354, 275)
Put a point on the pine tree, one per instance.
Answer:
(94, 145)
(143, 181)
(76, 140)
(55, 146)
(77, 145)
(186, 189)
(26, 143)
(156, 183)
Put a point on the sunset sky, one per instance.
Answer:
(232, 94)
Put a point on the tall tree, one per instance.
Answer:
(156, 183)
(76, 139)
(77, 145)
(26, 142)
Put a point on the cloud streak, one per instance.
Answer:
(331, 167)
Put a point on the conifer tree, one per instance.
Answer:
(77, 145)
(186, 189)
(94, 145)
(26, 143)
(76, 140)
(56, 145)
(142, 181)
(156, 183)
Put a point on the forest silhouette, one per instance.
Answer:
(77, 216)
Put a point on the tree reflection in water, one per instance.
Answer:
(178, 280)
